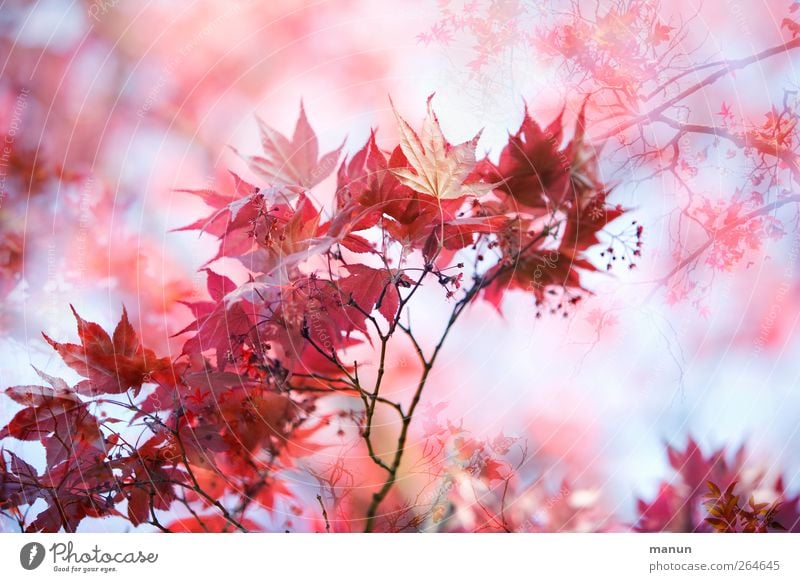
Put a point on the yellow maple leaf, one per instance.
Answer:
(438, 168)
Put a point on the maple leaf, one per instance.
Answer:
(299, 443)
(217, 325)
(288, 236)
(138, 505)
(295, 162)
(537, 271)
(531, 168)
(664, 513)
(661, 33)
(491, 470)
(18, 482)
(584, 223)
(148, 470)
(695, 468)
(535, 172)
(370, 193)
(371, 289)
(437, 168)
(788, 514)
(111, 365)
(725, 111)
(792, 26)
(72, 492)
(251, 420)
(230, 208)
(368, 182)
(459, 232)
(678, 506)
(541, 270)
(726, 514)
(55, 416)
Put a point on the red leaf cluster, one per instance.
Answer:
(233, 412)
(702, 496)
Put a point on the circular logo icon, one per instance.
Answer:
(31, 555)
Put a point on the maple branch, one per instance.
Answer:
(740, 140)
(480, 281)
(324, 514)
(729, 67)
(195, 483)
(378, 497)
(358, 390)
(248, 493)
(374, 396)
(199, 490)
(694, 255)
(417, 347)
(194, 513)
(153, 518)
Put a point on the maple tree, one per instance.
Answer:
(238, 408)
(279, 410)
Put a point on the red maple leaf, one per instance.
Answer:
(535, 171)
(18, 482)
(219, 326)
(531, 170)
(370, 289)
(111, 365)
(72, 492)
(55, 416)
(296, 162)
(661, 33)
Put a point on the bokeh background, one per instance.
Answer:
(110, 107)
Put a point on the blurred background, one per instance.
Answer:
(110, 107)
